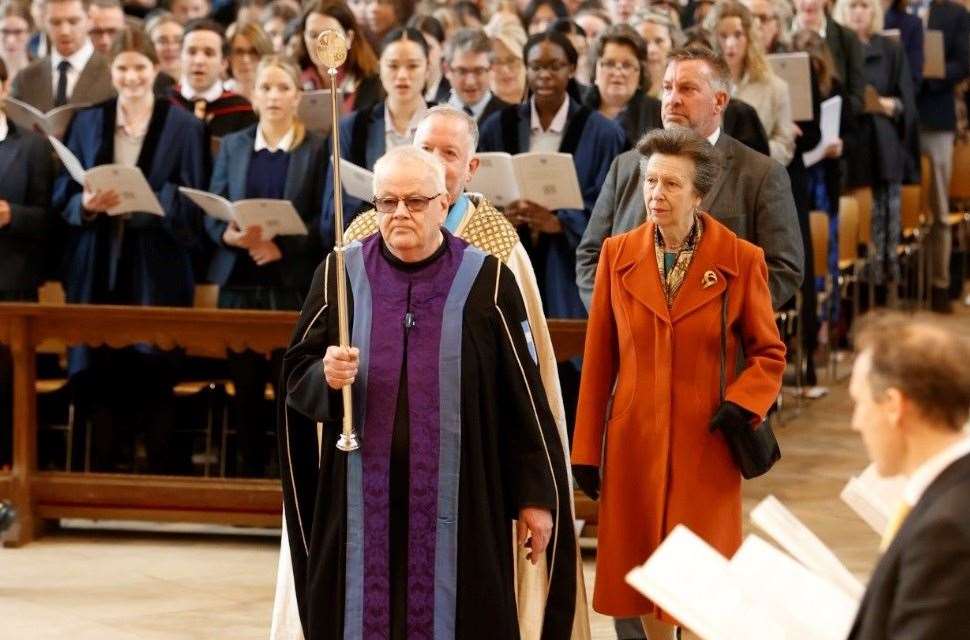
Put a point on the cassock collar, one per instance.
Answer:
(401, 265)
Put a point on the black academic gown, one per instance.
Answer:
(452, 397)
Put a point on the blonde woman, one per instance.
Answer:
(508, 68)
(276, 158)
(248, 43)
(754, 82)
(660, 35)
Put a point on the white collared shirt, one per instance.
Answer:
(714, 137)
(77, 60)
(391, 136)
(476, 108)
(284, 144)
(548, 140)
(4, 128)
(920, 480)
(209, 95)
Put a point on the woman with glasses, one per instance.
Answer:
(248, 43)
(508, 77)
(619, 82)
(554, 120)
(368, 133)
(754, 81)
(771, 19)
(357, 78)
(16, 25)
(276, 158)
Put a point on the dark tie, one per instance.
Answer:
(468, 110)
(60, 96)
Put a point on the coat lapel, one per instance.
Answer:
(239, 167)
(726, 151)
(11, 149)
(638, 271)
(45, 92)
(525, 126)
(90, 81)
(716, 253)
(296, 172)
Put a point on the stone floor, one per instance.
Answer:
(82, 585)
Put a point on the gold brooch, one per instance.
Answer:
(709, 279)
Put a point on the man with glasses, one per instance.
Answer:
(105, 19)
(409, 536)
(468, 67)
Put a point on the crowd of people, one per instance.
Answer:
(695, 203)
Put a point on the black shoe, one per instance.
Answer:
(940, 300)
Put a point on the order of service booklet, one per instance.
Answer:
(273, 217)
(547, 179)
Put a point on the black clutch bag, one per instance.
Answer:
(754, 450)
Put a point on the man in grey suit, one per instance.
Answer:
(752, 195)
(911, 388)
(73, 72)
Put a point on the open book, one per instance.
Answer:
(274, 217)
(794, 69)
(314, 110)
(128, 182)
(830, 119)
(27, 116)
(873, 497)
(548, 179)
(798, 540)
(356, 180)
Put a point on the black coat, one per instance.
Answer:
(880, 149)
(742, 123)
(937, 111)
(847, 54)
(28, 174)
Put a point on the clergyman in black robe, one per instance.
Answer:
(410, 536)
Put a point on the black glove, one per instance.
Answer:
(588, 478)
(730, 417)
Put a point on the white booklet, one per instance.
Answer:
(548, 179)
(128, 182)
(934, 58)
(27, 116)
(806, 605)
(830, 120)
(795, 70)
(314, 110)
(798, 540)
(356, 180)
(694, 583)
(274, 217)
(873, 497)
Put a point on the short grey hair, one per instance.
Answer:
(409, 156)
(467, 40)
(448, 111)
(683, 142)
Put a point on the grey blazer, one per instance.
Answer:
(34, 84)
(752, 196)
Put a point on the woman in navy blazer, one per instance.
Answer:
(134, 259)
(276, 158)
(366, 134)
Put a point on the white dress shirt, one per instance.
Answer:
(391, 136)
(920, 480)
(4, 128)
(285, 143)
(548, 140)
(209, 95)
(714, 137)
(476, 108)
(77, 60)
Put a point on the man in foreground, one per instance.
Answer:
(911, 387)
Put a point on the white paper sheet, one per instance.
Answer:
(274, 217)
(314, 110)
(798, 540)
(53, 123)
(808, 606)
(795, 70)
(829, 121)
(357, 181)
(934, 58)
(873, 497)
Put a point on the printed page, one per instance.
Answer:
(496, 179)
(68, 159)
(214, 205)
(59, 118)
(53, 123)
(795, 538)
(692, 581)
(809, 607)
(314, 110)
(549, 179)
(357, 181)
(934, 60)
(873, 497)
(795, 70)
(130, 184)
(829, 121)
(274, 217)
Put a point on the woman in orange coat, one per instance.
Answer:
(655, 333)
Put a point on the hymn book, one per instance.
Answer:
(28, 117)
(794, 69)
(547, 179)
(798, 540)
(129, 183)
(873, 497)
(357, 181)
(314, 110)
(830, 119)
(273, 217)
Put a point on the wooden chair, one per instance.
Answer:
(911, 250)
(819, 225)
(863, 196)
(849, 271)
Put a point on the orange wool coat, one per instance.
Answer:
(661, 465)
